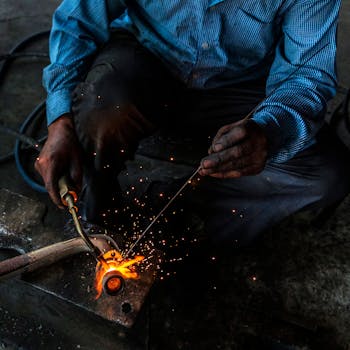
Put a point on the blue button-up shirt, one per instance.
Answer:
(213, 43)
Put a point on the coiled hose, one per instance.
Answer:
(38, 111)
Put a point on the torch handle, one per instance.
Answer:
(69, 198)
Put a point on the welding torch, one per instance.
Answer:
(69, 198)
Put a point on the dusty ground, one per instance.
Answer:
(294, 287)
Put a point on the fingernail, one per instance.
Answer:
(218, 147)
(206, 164)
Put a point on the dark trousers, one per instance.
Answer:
(133, 93)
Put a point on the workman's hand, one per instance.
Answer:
(238, 149)
(61, 155)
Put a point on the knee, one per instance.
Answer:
(101, 119)
(332, 184)
(337, 186)
(91, 101)
(101, 93)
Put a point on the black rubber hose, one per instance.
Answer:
(7, 59)
(18, 47)
(24, 54)
(27, 122)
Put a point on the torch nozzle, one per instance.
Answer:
(69, 198)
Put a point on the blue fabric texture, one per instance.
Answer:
(213, 43)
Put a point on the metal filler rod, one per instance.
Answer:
(188, 181)
(197, 171)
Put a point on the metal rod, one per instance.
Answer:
(197, 171)
(162, 211)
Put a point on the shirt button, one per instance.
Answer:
(205, 46)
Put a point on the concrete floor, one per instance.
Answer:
(343, 45)
(302, 292)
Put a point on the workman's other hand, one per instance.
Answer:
(238, 149)
(61, 155)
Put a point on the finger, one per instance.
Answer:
(232, 164)
(219, 134)
(223, 130)
(37, 165)
(255, 158)
(233, 174)
(232, 153)
(50, 181)
(51, 185)
(235, 135)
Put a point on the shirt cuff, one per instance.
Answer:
(58, 103)
(274, 135)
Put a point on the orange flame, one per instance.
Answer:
(114, 261)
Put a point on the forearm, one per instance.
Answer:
(291, 117)
(302, 78)
(79, 29)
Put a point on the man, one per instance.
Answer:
(121, 69)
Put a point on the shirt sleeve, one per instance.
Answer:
(294, 110)
(79, 27)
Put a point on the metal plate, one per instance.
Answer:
(71, 280)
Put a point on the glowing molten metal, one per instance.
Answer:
(110, 275)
